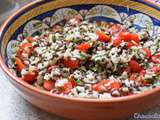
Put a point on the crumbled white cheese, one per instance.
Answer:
(40, 66)
(105, 96)
(90, 77)
(125, 89)
(77, 74)
(115, 93)
(61, 82)
(31, 68)
(55, 72)
(24, 72)
(80, 89)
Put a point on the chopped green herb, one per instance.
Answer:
(79, 82)
(82, 55)
(157, 84)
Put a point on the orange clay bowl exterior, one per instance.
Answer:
(76, 108)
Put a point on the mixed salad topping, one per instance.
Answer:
(89, 59)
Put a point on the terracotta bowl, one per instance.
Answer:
(41, 14)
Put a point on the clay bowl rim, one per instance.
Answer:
(6, 70)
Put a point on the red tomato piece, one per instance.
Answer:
(24, 46)
(156, 69)
(135, 38)
(48, 85)
(131, 44)
(116, 85)
(19, 64)
(73, 82)
(148, 53)
(103, 37)
(67, 87)
(100, 86)
(30, 39)
(30, 77)
(156, 58)
(132, 77)
(71, 63)
(126, 36)
(84, 47)
(19, 53)
(135, 66)
(142, 73)
(116, 42)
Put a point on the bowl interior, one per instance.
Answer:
(31, 20)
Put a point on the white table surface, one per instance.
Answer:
(14, 107)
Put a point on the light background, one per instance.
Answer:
(14, 107)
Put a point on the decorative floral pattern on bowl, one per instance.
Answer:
(98, 12)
